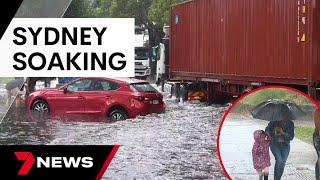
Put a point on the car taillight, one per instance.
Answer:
(141, 98)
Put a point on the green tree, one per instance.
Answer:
(159, 11)
(137, 9)
(152, 14)
(101, 8)
(158, 16)
(80, 9)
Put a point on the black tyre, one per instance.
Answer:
(117, 115)
(40, 107)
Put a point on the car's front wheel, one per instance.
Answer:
(41, 107)
(117, 115)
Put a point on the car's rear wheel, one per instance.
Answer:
(117, 115)
(40, 107)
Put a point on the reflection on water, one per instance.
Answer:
(16, 128)
(179, 143)
(3, 108)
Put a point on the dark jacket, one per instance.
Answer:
(287, 127)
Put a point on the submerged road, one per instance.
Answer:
(179, 144)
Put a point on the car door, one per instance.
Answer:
(98, 98)
(72, 100)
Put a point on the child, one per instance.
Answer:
(260, 154)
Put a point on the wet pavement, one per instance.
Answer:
(179, 144)
(3, 108)
(236, 144)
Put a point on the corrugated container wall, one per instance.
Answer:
(254, 40)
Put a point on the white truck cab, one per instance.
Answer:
(142, 56)
(161, 54)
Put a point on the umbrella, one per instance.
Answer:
(17, 83)
(277, 110)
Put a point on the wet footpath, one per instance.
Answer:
(236, 144)
(3, 108)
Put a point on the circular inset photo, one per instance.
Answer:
(270, 133)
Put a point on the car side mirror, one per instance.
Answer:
(65, 90)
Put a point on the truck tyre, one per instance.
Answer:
(183, 91)
(176, 90)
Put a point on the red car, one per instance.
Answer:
(114, 98)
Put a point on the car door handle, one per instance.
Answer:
(81, 97)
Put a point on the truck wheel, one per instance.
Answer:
(176, 90)
(183, 92)
(117, 115)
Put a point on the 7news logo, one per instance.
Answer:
(50, 162)
(81, 162)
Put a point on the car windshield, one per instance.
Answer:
(143, 87)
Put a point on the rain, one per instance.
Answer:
(179, 143)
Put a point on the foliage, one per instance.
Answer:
(5, 80)
(264, 95)
(137, 9)
(101, 8)
(81, 9)
(304, 133)
(159, 11)
(152, 14)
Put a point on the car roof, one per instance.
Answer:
(130, 80)
(120, 80)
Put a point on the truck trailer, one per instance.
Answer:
(233, 46)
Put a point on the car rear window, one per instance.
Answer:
(143, 87)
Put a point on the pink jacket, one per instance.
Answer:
(260, 152)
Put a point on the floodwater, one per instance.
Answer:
(3, 108)
(179, 144)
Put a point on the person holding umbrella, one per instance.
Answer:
(13, 87)
(280, 129)
(281, 132)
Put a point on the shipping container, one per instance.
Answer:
(241, 43)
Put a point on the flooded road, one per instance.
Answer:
(3, 108)
(179, 144)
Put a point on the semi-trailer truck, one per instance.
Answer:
(229, 47)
